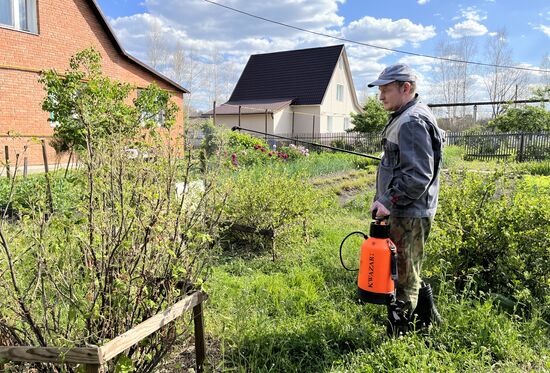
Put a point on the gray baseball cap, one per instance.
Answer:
(399, 72)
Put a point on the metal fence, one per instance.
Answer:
(520, 147)
(484, 146)
(355, 141)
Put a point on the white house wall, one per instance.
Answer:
(283, 121)
(335, 108)
(303, 118)
(249, 121)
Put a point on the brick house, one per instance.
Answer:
(37, 35)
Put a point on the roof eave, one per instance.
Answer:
(118, 46)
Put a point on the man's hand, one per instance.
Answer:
(381, 210)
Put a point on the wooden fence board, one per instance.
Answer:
(149, 326)
(85, 355)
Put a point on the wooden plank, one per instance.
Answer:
(200, 345)
(83, 355)
(149, 326)
(93, 368)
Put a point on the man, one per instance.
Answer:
(407, 187)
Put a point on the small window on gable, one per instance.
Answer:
(19, 14)
(339, 92)
(346, 123)
(329, 123)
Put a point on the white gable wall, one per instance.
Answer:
(335, 108)
(303, 118)
(282, 120)
(254, 122)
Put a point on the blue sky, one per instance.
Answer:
(212, 35)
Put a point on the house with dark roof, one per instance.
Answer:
(291, 92)
(41, 35)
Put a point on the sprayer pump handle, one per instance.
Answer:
(378, 219)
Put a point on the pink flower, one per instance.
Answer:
(270, 154)
(262, 149)
(234, 160)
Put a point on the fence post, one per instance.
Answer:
(293, 114)
(239, 115)
(200, 346)
(214, 113)
(48, 186)
(7, 157)
(93, 368)
(265, 124)
(521, 147)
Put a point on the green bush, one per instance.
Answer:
(243, 140)
(29, 195)
(493, 228)
(270, 199)
(535, 168)
(341, 144)
(522, 119)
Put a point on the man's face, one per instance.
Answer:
(393, 96)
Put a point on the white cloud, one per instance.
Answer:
(387, 32)
(467, 28)
(419, 63)
(207, 29)
(474, 14)
(422, 2)
(470, 26)
(545, 29)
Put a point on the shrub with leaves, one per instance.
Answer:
(85, 104)
(131, 247)
(493, 228)
(522, 119)
(270, 199)
(372, 119)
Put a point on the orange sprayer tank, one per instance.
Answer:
(377, 266)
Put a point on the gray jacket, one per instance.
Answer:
(407, 181)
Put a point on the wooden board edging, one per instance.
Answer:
(77, 355)
(149, 326)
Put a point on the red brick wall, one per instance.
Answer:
(65, 28)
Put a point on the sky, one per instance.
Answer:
(218, 41)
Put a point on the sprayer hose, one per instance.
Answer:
(342, 245)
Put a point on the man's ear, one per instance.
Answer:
(406, 87)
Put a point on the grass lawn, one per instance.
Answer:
(299, 313)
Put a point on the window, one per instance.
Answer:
(329, 123)
(339, 92)
(19, 14)
(346, 123)
(157, 117)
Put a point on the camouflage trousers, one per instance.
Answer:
(409, 235)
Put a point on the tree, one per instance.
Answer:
(372, 119)
(187, 71)
(502, 84)
(454, 78)
(542, 91)
(525, 119)
(88, 106)
(157, 51)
